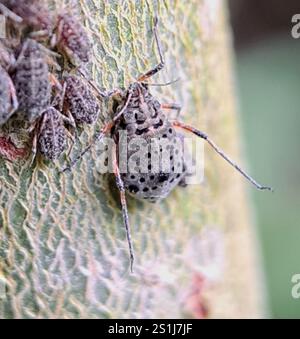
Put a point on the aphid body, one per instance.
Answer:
(31, 79)
(144, 118)
(33, 12)
(79, 100)
(70, 36)
(52, 134)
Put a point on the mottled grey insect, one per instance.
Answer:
(33, 13)
(141, 115)
(79, 100)
(51, 135)
(32, 80)
(71, 38)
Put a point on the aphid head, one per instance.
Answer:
(137, 88)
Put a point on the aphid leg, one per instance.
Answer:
(106, 129)
(9, 14)
(161, 64)
(34, 147)
(55, 83)
(69, 119)
(204, 136)
(97, 138)
(57, 35)
(121, 188)
(39, 34)
(37, 127)
(21, 54)
(70, 136)
(14, 99)
(54, 39)
(175, 107)
(59, 101)
(103, 94)
(119, 114)
(164, 84)
(50, 57)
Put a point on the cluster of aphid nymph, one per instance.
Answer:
(29, 85)
(53, 107)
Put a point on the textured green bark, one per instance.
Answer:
(63, 248)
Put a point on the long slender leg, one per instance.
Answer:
(55, 83)
(161, 64)
(39, 34)
(37, 131)
(70, 136)
(34, 147)
(102, 133)
(59, 101)
(103, 94)
(121, 188)
(68, 119)
(8, 13)
(14, 99)
(119, 114)
(21, 54)
(204, 136)
(98, 137)
(164, 84)
(175, 107)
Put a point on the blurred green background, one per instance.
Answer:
(268, 76)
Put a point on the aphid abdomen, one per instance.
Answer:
(52, 136)
(80, 100)
(31, 81)
(72, 37)
(159, 170)
(153, 174)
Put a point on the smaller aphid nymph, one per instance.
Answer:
(71, 38)
(51, 135)
(79, 100)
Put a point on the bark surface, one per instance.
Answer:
(63, 249)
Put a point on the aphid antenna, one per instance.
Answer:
(161, 63)
(82, 72)
(164, 84)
